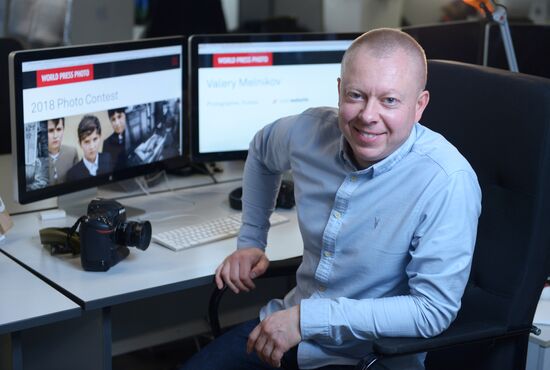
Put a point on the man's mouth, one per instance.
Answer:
(368, 135)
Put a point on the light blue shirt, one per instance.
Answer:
(387, 249)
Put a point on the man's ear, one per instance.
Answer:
(339, 81)
(421, 104)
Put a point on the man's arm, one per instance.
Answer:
(261, 179)
(440, 259)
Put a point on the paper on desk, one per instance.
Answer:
(542, 314)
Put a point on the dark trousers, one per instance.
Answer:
(228, 352)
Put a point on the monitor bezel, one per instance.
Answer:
(16, 60)
(193, 46)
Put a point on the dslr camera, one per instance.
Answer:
(105, 235)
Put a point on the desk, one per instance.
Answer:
(143, 274)
(27, 302)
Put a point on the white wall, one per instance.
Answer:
(361, 15)
(423, 11)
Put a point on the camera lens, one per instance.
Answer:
(134, 234)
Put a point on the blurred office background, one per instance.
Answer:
(53, 22)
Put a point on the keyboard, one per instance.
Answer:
(206, 232)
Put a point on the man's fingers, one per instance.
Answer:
(244, 276)
(235, 278)
(218, 278)
(252, 337)
(225, 274)
(276, 356)
(259, 268)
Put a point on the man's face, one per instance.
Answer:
(55, 136)
(118, 120)
(90, 146)
(379, 102)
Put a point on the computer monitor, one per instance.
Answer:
(83, 116)
(240, 83)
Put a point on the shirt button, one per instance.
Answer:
(337, 214)
(353, 178)
(327, 254)
(322, 288)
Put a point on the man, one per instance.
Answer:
(93, 163)
(119, 143)
(388, 213)
(61, 157)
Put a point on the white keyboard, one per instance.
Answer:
(206, 232)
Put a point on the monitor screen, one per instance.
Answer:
(240, 83)
(83, 116)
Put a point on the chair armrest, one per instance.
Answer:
(286, 267)
(456, 334)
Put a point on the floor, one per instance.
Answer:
(165, 357)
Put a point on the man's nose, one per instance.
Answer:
(370, 111)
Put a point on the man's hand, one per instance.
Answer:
(239, 268)
(275, 335)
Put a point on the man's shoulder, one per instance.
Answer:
(435, 148)
(309, 122)
(321, 114)
(312, 119)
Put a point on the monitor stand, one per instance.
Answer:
(76, 204)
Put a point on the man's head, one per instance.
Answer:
(56, 129)
(89, 136)
(118, 119)
(381, 93)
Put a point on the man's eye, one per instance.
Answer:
(354, 95)
(390, 100)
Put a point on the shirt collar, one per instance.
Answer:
(92, 166)
(387, 163)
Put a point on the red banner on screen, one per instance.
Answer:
(243, 60)
(65, 75)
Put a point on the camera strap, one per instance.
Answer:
(61, 240)
(72, 230)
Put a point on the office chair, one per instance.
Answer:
(500, 121)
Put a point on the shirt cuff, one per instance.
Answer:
(314, 318)
(250, 236)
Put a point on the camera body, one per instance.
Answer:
(105, 235)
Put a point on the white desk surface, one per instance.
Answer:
(156, 270)
(27, 301)
(231, 171)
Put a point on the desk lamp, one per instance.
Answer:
(497, 13)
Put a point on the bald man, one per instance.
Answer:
(388, 213)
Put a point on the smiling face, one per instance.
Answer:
(380, 98)
(55, 135)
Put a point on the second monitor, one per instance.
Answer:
(240, 83)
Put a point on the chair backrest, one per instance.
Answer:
(500, 121)
(7, 45)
